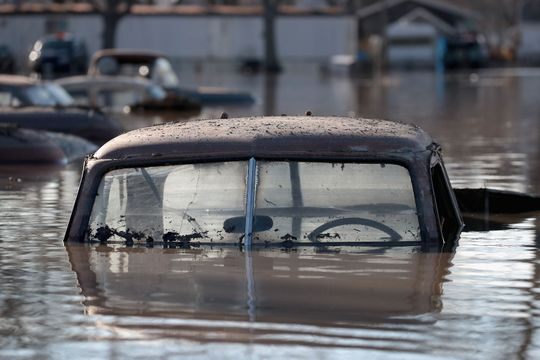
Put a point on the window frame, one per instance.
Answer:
(451, 236)
(93, 174)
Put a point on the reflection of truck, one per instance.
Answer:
(469, 50)
(210, 286)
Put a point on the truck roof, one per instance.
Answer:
(273, 137)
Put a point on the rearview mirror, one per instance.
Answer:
(237, 225)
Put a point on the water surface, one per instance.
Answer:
(111, 302)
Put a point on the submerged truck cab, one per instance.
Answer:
(268, 181)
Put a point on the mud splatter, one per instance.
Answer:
(288, 237)
(104, 233)
(328, 236)
(174, 239)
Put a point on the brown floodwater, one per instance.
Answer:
(111, 302)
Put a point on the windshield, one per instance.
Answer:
(163, 74)
(156, 93)
(295, 202)
(39, 95)
(117, 99)
(60, 94)
(54, 48)
(159, 70)
(47, 94)
(170, 202)
(57, 45)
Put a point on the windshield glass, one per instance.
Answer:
(156, 93)
(60, 94)
(57, 45)
(39, 95)
(163, 74)
(170, 203)
(321, 202)
(54, 48)
(116, 99)
(47, 94)
(299, 202)
(159, 70)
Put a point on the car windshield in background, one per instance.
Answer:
(158, 70)
(40, 96)
(57, 45)
(296, 202)
(60, 94)
(117, 99)
(57, 48)
(35, 94)
(156, 93)
(163, 74)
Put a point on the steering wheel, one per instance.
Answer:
(394, 235)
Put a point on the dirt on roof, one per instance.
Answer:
(267, 136)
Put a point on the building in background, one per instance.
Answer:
(397, 32)
(415, 32)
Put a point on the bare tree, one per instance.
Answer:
(112, 11)
(500, 22)
(271, 62)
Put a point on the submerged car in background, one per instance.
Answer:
(7, 60)
(466, 51)
(22, 91)
(58, 54)
(262, 182)
(38, 147)
(140, 99)
(157, 67)
(30, 103)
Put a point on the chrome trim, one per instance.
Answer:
(250, 202)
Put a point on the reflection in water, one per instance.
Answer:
(213, 282)
(226, 295)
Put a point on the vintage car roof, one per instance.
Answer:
(104, 82)
(282, 136)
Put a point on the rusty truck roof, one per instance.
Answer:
(267, 136)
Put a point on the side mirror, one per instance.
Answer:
(237, 225)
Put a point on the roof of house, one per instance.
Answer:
(396, 9)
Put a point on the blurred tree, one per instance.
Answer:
(531, 10)
(500, 22)
(271, 62)
(112, 11)
(354, 5)
(506, 27)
